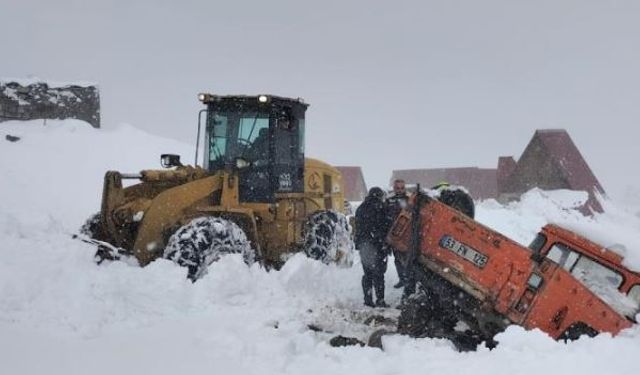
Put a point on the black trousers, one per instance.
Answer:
(400, 267)
(405, 273)
(374, 265)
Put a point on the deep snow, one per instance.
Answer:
(62, 314)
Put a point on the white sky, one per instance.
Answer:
(391, 84)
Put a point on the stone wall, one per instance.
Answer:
(41, 100)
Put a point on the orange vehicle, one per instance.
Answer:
(477, 281)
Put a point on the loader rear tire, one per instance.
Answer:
(203, 241)
(328, 239)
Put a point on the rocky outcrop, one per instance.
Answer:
(20, 100)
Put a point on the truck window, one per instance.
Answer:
(588, 271)
(538, 243)
(563, 256)
(634, 294)
(601, 280)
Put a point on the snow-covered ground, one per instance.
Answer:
(62, 314)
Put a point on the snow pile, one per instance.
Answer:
(81, 318)
(28, 81)
(55, 172)
(617, 228)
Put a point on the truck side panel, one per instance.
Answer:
(469, 252)
(563, 301)
(500, 273)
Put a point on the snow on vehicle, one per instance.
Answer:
(475, 281)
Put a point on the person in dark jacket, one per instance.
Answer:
(394, 204)
(371, 231)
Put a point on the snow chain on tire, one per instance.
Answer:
(328, 238)
(203, 241)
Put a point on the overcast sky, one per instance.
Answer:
(391, 84)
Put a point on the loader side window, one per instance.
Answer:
(218, 142)
(301, 137)
(234, 135)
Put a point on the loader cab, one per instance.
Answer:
(261, 138)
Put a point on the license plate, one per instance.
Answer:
(464, 251)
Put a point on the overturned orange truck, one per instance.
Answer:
(476, 280)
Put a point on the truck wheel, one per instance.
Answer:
(458, 199)
(576, 330)
(416, 314)
(327, 238)
(203, 241)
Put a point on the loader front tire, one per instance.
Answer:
(327, 236)
(203, 241)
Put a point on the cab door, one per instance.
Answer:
(288, 165)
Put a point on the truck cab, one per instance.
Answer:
(600, 269)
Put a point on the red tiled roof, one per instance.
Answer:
(570, 161)
(552, 161)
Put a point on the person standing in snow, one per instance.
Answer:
(371, 231)
(394, 204)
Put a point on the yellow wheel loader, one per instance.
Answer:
(254, 193)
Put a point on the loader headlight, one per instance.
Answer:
(241, 163)
(205, 98)
(263, 99)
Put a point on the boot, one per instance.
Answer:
(381, 303)
(367, 289)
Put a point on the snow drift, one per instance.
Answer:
(60, 313)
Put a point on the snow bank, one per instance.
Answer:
(62, 314)
(27, 81)
(55, 172)
(618, 228)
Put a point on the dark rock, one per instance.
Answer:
(339, 341)
(11, 138)
(379, 320)
(375, 340)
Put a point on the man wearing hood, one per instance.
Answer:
(371, 231)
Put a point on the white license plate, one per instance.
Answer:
(464, 251)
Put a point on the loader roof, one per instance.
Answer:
(254, 99)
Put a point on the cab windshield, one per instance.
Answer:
(233, 135)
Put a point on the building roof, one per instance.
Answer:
(552, 161)
(481, 182)
(354, 184)
(569, 159)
